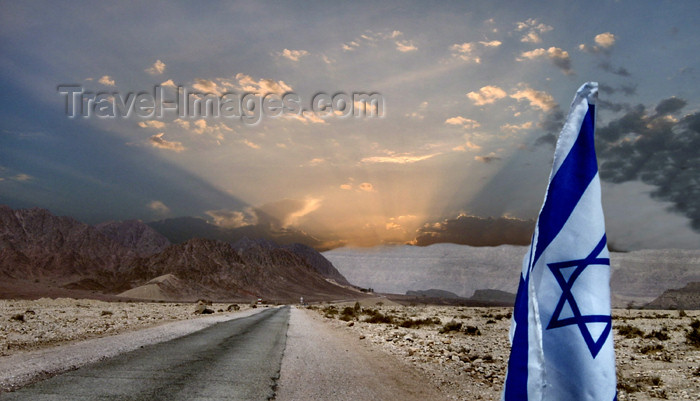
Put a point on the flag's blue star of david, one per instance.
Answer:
(567, 296)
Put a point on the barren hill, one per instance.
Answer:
(687, 297)
(45, 255)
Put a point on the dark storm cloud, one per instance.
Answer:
(477, 231)
(625, 89)
(629, 89)
(659, 149)
(670, 106)
(607, 66)
(605, 105)
(551, 124)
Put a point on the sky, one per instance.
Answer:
(469, 97)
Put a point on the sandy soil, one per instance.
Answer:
(654, 358)
(470, 363)
(29, 325)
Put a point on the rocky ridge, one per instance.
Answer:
(45, 254)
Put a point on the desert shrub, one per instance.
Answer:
(378, 317)
(661, 335)
(18, 317)
(348, 311)
(647, 349)
(472, 331)
(329, 311)
(629, 331)
(681, 313)
(695, 324)
(693, 336)
(451, 326)
(490, 321)
(356, 307)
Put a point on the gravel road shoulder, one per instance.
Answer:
(23, 368)
(326, 363)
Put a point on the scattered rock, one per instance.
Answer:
(18, 317)
(201, 309)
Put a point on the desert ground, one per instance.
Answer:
(463, 351)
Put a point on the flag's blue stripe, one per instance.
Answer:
(516, 380)
(568, 185)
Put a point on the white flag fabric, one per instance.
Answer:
(561, 336)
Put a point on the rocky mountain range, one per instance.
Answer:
(42, 254)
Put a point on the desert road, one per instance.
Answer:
(234, 360)
(281, 354)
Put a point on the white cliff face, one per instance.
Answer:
(637, 277)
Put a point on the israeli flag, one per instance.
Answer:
(561, 335)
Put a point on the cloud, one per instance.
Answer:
(539, 100)
(670, 106)
(487, 95)
(262, 86)
(605, 39)
(157, 68)
(286, 212)
(158, 141)
(468, 145)
(233, 218)
(659, 148)
(293, 55)
(476, 231)
(366, 187)
(306, 117)
(106, 80)
(491, 157)
(169, 84)
(348, 47)
(398, 158)
(604, 42)
(419, 113)
(405, 46)
(22, 177)
(471, 51)
(557, 56)
(152, 124)
(517, 127)
(201, 127)
(250, 144)
(493, 43)
(206, 86)
(463, 122)
(316, 161)
(607, 66)
(532, 30)
(625, 89)
(159, 207)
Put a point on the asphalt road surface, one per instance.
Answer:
(234, 360)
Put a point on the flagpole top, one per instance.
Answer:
(589, 91)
